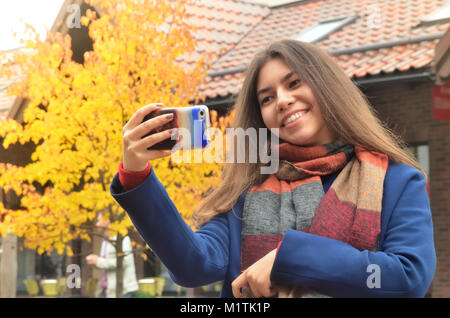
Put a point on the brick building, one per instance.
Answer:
(407, 107)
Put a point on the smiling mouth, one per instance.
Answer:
(294, 117)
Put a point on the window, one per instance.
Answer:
(323, 29)
(441, 15)
(421, 152)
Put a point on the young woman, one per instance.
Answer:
(346, 214)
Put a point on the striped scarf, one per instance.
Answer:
(293, 198)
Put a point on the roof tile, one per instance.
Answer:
(426, 59)
(403, 55)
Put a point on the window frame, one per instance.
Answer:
(429, 19)
(345, 20)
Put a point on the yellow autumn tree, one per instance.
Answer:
(75, 117)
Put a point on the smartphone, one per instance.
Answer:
(193, 125)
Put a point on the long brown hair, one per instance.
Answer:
(344, 108)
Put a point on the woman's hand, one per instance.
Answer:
(257, 278)
(92, 259)
(135, 153)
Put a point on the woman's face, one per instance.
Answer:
(102, 223)
(289, 104)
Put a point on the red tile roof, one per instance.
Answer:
(221, 24)
(380, 21)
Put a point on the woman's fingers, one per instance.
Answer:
(155, 138)
(239, 283)
(136, 154)
(257, 278)
(156, 154)
(149, 125)
(139, 115)
(245, 286)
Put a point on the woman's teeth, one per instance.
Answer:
(292, 118)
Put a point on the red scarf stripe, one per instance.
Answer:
(339, 220)
(323, 166)
(292, 154)
(256, 245)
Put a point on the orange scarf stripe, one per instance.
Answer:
(274, 185)
(375, 158)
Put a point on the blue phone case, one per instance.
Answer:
(194, 125)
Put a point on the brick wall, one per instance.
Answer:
(407, 109)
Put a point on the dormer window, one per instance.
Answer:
(323, 29)
(441, 15)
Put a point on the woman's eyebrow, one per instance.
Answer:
(284, 79)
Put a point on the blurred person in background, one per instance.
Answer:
(107, 263)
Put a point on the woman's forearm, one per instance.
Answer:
(192, 258)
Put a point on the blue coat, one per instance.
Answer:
(403, 266)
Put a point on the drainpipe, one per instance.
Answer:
(416, 77)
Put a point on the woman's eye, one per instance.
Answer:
(265, 100)
(294, 83)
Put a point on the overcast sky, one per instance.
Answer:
(15, 13)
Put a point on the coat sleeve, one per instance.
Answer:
(111, 262)
(192, 258)
(404, 266)
(107, 263)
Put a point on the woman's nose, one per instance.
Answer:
(284, 100)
